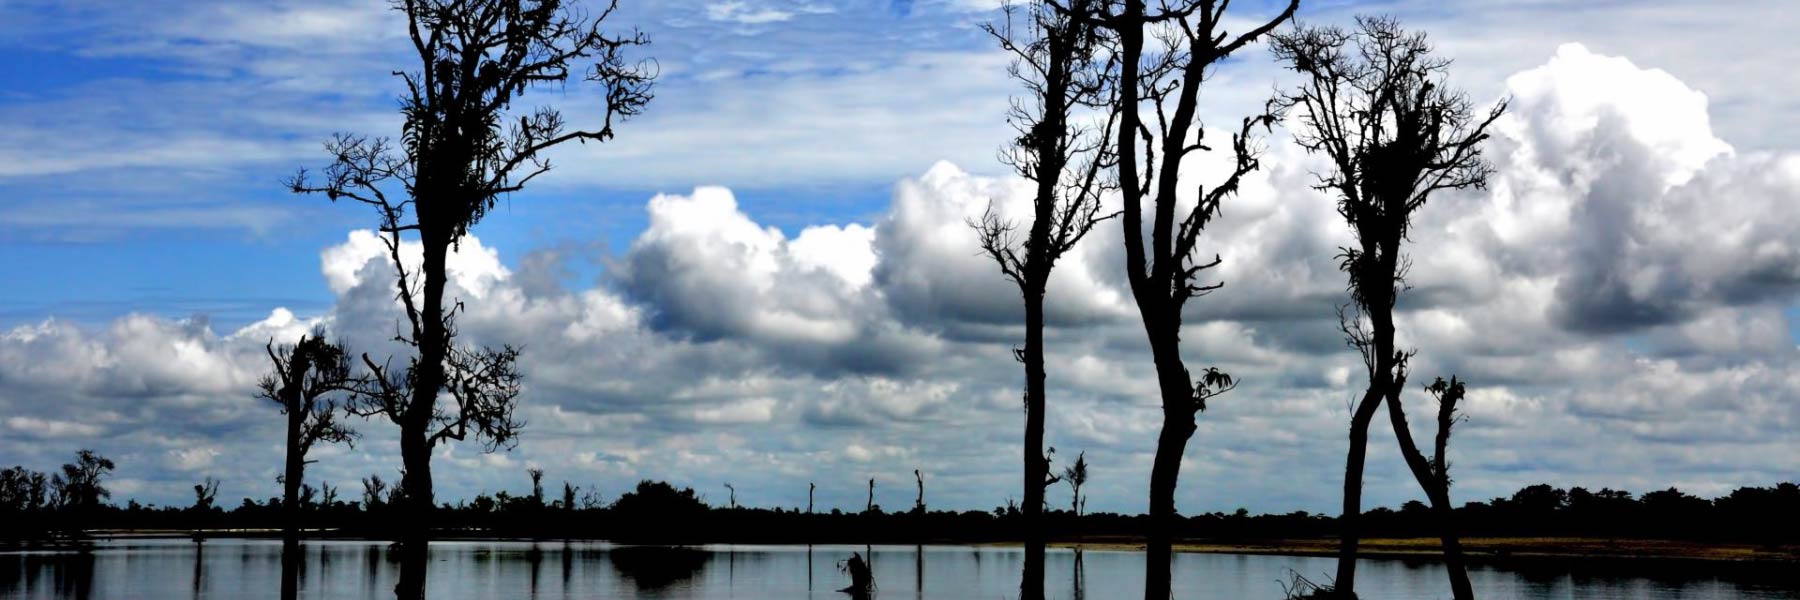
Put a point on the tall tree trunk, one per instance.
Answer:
(1165, 470)
(415, 443)
(1350, 523)
(1036, 468)
(1378, 352)
(293, 474)
(292, 398)
(1454, 561)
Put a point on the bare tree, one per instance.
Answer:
(374, 493)
(204, 494)
(919, 503)
(1059, 57)
(461, 150)
(1374, 101)
(732, 494)
(810, 487)
(1165, 77)
(537, 486)
(870, 507)
(310, 379)
(1076, 476)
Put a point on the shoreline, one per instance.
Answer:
(1487, 549)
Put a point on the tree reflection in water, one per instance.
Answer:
(653, 568)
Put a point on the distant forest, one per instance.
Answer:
(38, 508)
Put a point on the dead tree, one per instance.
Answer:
(870, 507)
(461, 149)
(1433, 474)
(205, 493)
(1374, 101)
(1164, 78)
(311, 380)
(537, 486)
(374, 493)
(919, 503)
(1059, 57)
(1076, 476)
(810, 486)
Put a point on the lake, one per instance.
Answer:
(226, 568)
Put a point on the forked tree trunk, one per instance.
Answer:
(1437, 491)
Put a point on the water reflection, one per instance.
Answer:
(1078, 591)
(225, 568)
(199, 561)
(292, 557)
(654, 568)
(413, 558)
(919, 571)
(74, 576)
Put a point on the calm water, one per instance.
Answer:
(167, 569)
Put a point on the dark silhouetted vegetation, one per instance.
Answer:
(654, 512)
(1059, 56)
(1189, 38)
(312, 378)
(1375, 102)
(461, 149)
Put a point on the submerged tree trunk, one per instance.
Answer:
(1350, 522)
(1036, 468)
(291, 562)
(1454, 561)
(1165, 470)
(415, 443)
(1164, 473)
(293, 474)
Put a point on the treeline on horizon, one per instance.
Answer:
(37, 507)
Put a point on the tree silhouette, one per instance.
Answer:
(23, 489)
(1059, 58)
(374, 492)
(309, 379)
(204, 494)
(1433, 475)
(1373, 100)
(1076, 476)
(1166, 77)
(919, 503)
(537, 486)
(79, 487)
(461, 149)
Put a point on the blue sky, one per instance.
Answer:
(141, 215)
